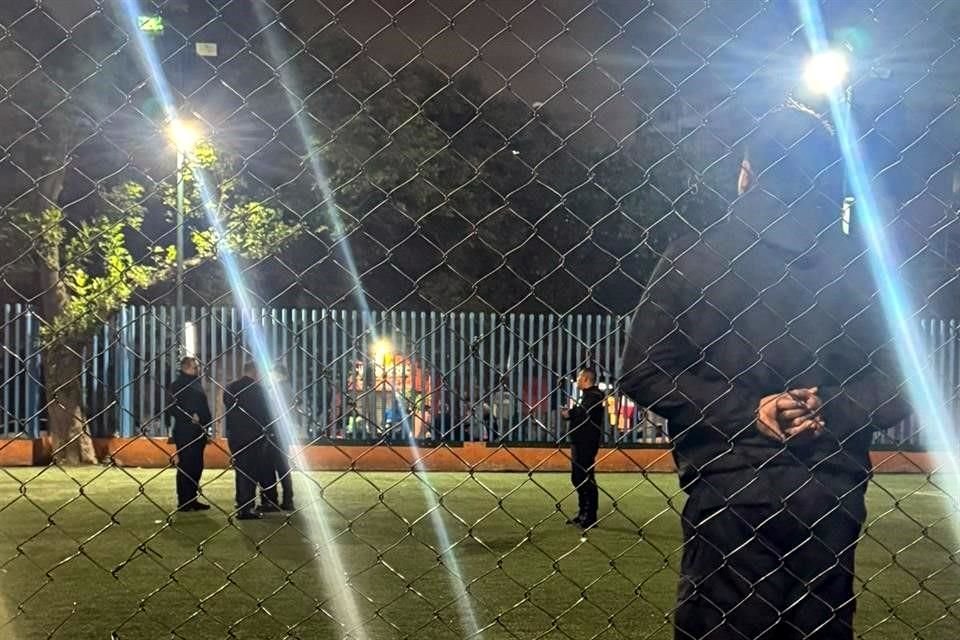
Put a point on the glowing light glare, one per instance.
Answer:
(190, 339)
(317, 522)
(382, 350)
(152, 25)
(184, 134)
(925, 392)
(827, 71)
(279, 57)
(446, 554)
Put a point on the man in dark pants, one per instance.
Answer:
(586, 430)
(762, 342)
(247, 416)
(190, 413)
(277, 452)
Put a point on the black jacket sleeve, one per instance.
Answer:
(203, 409)
(229, 410)
(664, 371)
(872, 398)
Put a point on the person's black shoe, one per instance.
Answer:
(588, 522)
(249, 514)
(269, 508)
(575, 520)
(200, 506)
(288, 507)
(185, 507)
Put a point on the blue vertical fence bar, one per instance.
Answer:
(569, 366)
(342, 376)
(617, 372)
(18, 388)
(467, 367)
(450, 352)
(436, 381)
(550, 366)
(954, 379)
(321, 369)
(527, 385)
(510, 387)
(159, 362)
(503, 412)
(9, 419)
(124, 378)
(539, 390)
(361, 429)
(31, 380)
(516, 379)
(140, 330)
(457, 346)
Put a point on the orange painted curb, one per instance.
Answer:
(16, 452)
(477, 456)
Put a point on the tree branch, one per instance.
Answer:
(170, 272)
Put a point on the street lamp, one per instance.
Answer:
(827, 71)
(826, 74)
(184, 135)
(383, 351)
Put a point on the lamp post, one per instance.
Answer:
(826, 74)
(184, 134)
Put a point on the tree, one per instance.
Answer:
(91, 256)
(453, 198)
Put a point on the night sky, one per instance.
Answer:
(696, 73)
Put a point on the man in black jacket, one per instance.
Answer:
(586, 430)
(248, 415)
(190, 412)
(763, 344)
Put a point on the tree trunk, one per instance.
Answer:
(63, 374)
(61, 352)
(66, 422)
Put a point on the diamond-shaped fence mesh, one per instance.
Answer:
(479, 319)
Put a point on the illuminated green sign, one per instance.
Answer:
(152, 25)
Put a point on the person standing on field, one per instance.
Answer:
(586, 421)
(762, 342)
(191, 417)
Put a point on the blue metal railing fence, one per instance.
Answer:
(368, 376)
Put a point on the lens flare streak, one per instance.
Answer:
(334, 574)
(468, 618)
(446, 554)
(924, 390)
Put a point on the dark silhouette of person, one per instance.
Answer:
(762, 342)
(586, 431)
(190, 412)
(247, 417)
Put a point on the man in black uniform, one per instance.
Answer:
(248, 416)
(586, 430)
(763, 344)
(190, 412)
(277, 452)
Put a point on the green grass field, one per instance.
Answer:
(93, 554)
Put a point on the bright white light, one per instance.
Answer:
(184, 134)
(190, 339)
(382, 350)
(827, 71)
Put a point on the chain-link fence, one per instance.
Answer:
(320, 318)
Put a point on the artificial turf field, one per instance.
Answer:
(92, 553)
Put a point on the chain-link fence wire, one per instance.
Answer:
(420, 221)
